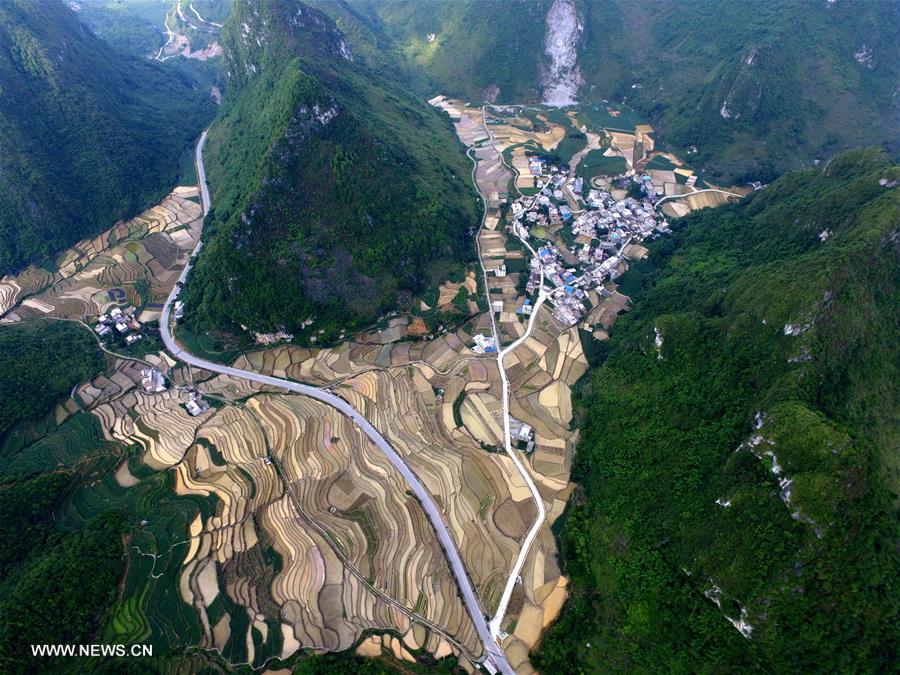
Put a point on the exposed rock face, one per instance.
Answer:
(562, 77)
(746, 91)
(865, 56)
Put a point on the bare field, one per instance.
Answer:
(147, 251)
(295, 477)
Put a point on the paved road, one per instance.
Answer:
(495, 658)
(516, 570)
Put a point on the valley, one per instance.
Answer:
(476, 420)
(466, 337)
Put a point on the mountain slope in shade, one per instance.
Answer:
(87, 135)
(337, 194)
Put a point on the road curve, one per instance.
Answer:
(496, 622)
(697, 192)
(494, 655)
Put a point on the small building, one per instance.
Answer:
(496, 305)
(102, 330)
(483, 344)
(152, 379)
(500, 271)
(122, 328)
(519, 431)
(196, 405)
(131, 339)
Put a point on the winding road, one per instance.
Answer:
(494, 658)
(516, 570)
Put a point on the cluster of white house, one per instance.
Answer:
(600, 234)
(153, 381)
(521, 434)
(484, 344)
(121, 321)
(624, 218)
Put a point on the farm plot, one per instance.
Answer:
(134, 262)
(305, 531)
(507, 133)
(470, 484)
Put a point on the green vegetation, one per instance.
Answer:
(87, 135)
(133, 27)
(595, 163)
(798, 80)
(810, 564)
(485, 51)
(786, 75)
(598, 115)
(57, 594)
(661, 163)
(54, 585)
(574, 142)
(39, 364)
(330, 183)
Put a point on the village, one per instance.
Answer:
(603, 235)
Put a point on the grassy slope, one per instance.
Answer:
(87, 135)
(645, 538)
(350, 213)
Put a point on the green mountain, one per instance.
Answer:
(87, 134)
(465, 47)
(337, 193)
(738, 461)
(756, 88)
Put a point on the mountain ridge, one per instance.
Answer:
(342, 185)
(87, 135)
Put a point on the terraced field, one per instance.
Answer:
(286, 528)
(437, 403)
(136, 262)
(270, 525)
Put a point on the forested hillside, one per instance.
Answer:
(336, 193)
(751, 89)
(738, 459)
(87, 134)
(482, 50)
(55, 583)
